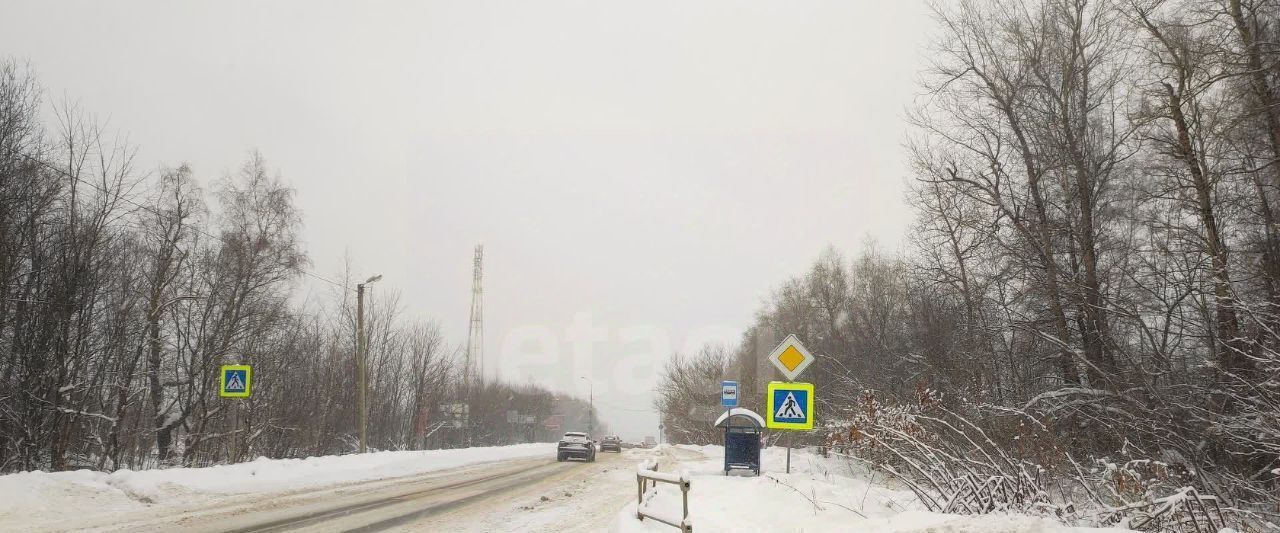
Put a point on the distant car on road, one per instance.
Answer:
(650, 442)
(611, 443)
(576, 444)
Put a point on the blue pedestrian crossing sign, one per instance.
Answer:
(790, 405)
(235, 381)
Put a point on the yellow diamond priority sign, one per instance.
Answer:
(791, 357)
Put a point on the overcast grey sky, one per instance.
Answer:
(650, 169)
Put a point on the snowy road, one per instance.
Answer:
(583, 497)
(505, 489)
(527, 494)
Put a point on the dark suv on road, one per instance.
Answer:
(611, 443)
(575, 444)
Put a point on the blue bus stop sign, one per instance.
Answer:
(729, 393)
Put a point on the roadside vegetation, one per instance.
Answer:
(123, 288)
(1087, 320)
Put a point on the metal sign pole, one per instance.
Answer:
(235, 432)
(788, 453)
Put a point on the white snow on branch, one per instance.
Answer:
(86, 413)
(1064, 392)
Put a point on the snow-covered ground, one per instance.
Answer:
(820, 494)
(31, 498)
(511, 488)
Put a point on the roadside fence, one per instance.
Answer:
(647, 479)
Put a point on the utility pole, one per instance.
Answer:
(591, 406)
(362, 363)
(660, 428)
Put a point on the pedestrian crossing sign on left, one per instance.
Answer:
(790, 405)
(236, 381)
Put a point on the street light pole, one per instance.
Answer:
(591, 406)
(362, 363)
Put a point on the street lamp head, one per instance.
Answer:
(373, 279)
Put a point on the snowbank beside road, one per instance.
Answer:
(820, 494)
(26, 493)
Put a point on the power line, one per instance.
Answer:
(157, 213)
(631, 409)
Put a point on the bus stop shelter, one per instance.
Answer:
(742, 429)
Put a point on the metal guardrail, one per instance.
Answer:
(648, 476)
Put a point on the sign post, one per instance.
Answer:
(235, 381)
(728, 397)
(790, 404)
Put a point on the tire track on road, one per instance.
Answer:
(501, 482)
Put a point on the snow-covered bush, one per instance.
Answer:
(979, 463)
